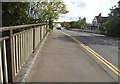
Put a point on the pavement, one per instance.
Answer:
(62, 60)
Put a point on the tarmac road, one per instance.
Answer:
(107, 47)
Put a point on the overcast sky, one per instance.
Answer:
(87, 8)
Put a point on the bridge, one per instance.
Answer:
(32, 53)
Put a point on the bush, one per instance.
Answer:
(112, 27)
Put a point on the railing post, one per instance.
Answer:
(1, 73)
(10, 56)
(33, 38)
(46, 29)
(40, 33)
(3, 64)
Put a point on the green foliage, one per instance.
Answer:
(74, 24)
(81, 23)
(112, 26)
(63, 24)
(15, 13)
(50, 10)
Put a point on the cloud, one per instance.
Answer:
(87, 8)
(78, 3)
(81, 4)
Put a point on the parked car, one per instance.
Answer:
(59, 28)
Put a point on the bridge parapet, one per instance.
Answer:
(17, 43)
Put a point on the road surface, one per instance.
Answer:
(103, 45)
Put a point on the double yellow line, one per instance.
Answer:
(95, 54)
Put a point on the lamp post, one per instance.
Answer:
(51, 21)
(50, 18)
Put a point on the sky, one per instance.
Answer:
(87, 8)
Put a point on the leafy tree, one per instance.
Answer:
(63, 24)
(112, 25)
(15, 13)
(18, 13)
(81, 23)
(52, 10)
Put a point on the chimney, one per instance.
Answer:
(99, 15)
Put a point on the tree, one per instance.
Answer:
(112, 26)
(18, 13)
(51, 10)
(15, 13)
(81, 23)
(63, 24)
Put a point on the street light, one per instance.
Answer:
(51, 20)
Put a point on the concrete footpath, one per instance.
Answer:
(62, 60)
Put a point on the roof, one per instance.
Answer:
(101, 19)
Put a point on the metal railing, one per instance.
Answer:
(17, 43)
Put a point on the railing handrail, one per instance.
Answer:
(18, 43)
(19, 26)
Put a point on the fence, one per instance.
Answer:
(17, 43)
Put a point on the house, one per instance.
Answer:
(98, 21)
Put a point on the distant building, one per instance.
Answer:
(88, 27)
(98, 21)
